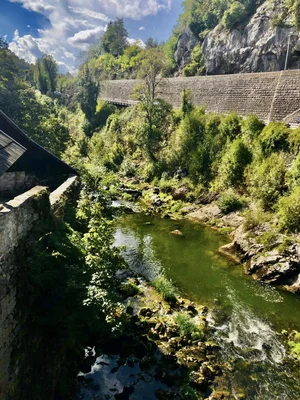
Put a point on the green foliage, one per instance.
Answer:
(266, 179)
(294, 141)
(230, 126)
(294, 175)
(166, 289)
(88, 94)
(103, 111)
(45, 74)
(254, 218)
(268, 239)
(65, 281)
(252, 127)
(129, 289)
(186, 101)
(197, 65)
(274, 137)
(229, 202)
(234, 15)
(293, 7)
(3, 43)
(233, 164)
(188, 328)
(114, 40)
(289, 211)
(294, 344)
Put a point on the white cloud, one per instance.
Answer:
(138, 42)
(74, 27)
(141, 28)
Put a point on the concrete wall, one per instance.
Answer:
(17, 219)
(272, 96)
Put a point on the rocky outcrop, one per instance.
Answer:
(186, 42)
(260, 46)
(274, 266)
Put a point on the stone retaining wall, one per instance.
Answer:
(17, 219)
(272, 96)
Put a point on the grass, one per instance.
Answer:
(166, 289)
(188, 328)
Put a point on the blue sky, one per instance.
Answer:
(63, 28)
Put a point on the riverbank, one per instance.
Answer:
(265, 253)
(165, 353)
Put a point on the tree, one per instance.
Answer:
(50, 67)
(151, 43)
(154, 110)
(3, 43)
(88, 94)
(45, 74)
(39, 77)
(114, 40)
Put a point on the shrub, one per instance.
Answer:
(230, 126)
(234, 15)
(266, 179)
(274, 137)
(197, 65)
(233, 164)
(252, 127)
(294, 174)
(268, 239)
(212, 124)
(229, 202)
(294, 141)
(166, 289)
(128, 167)
(188, 328)
(129, 289)
(289, 212)
(254, 218)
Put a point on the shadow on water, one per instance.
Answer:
(246, 316)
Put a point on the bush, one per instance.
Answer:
(294, 175)
(289, 212)
(128, 167)
(252, 127)
(230, 126)
(234, 15)
(233, 164)
(294, 141)
(188, 328)
(274, 137)
(229, 202)
(197, 65)
(254, 218)
(266, 179)
(166, 289)
(129, 289)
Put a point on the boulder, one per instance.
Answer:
(177, 232)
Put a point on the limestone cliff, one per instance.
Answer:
(258, 46)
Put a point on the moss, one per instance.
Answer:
(129, 289)
(294, 345)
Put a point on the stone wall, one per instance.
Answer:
(17, 219)
(13, 183)
(272, 96)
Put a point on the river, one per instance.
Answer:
(246, 317)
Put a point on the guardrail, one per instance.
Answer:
(120, 102)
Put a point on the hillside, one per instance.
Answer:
(233, 37)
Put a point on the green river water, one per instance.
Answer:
(245, 317)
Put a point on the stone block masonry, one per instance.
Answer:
(18, 218)
(272, 96)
